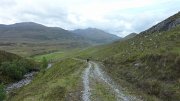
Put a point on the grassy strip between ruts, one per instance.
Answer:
(61, 82)
(102, 92)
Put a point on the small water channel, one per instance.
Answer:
(25, 81)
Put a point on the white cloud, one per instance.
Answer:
(115, 16)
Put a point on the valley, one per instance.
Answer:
(40, 63)
(29, 38)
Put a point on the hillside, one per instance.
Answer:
(96, 35)
(149, 62)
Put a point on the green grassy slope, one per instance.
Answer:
(61, 82)
(150, 62)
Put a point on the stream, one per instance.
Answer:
(25, 81)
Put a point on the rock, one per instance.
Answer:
(165, 25)
(137, 64)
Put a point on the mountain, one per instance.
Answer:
(96, 35)
(165, 25)
(30, 31)
(149, 62)
(130, 36)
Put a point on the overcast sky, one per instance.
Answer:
(119, 17)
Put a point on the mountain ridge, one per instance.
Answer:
(30, 30)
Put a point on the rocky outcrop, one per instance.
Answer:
(165, 25)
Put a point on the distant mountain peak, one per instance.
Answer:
(27, 24)
(96, 35)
